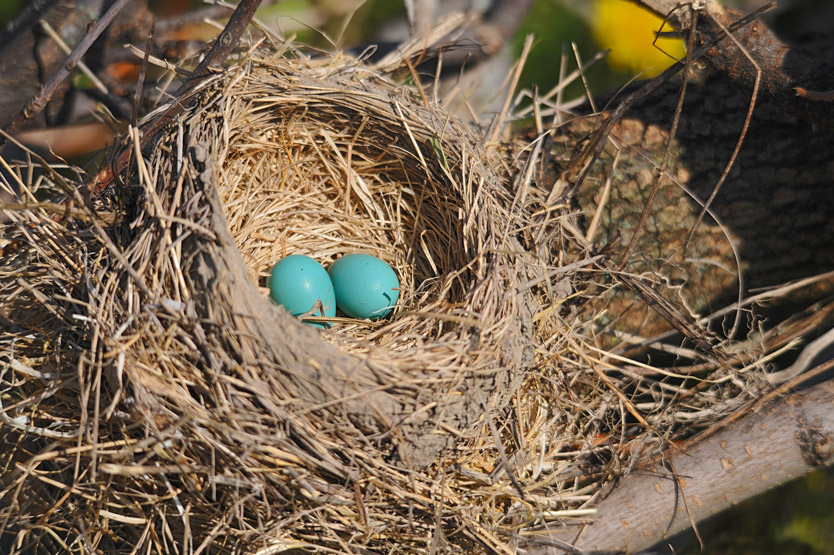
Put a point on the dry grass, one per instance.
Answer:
(154, 400)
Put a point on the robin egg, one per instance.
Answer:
(365, 286)
(298, 283)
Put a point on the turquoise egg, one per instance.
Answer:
(298, 282)
(365, 286)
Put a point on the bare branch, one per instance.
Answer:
(227, 41)
(223, 46)
(37, 103)
(786, 439)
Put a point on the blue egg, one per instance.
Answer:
(298, 282)
(365, 286)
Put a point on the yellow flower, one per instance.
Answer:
(629, 30)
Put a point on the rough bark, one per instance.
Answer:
(786, 72)
(773, 207)
(782, 441)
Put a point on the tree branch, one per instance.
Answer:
(782, 441)
(227, 41)
(220, 50)
(786, 70)
(37, 103)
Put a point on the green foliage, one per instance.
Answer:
(555, 26)
(9, 9)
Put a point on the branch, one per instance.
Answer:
(227, 41)
(782, 441)
(786, 71)
(220, 50)
(40, 99)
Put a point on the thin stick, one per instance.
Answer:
(49, 30)
(226, 42)
(741, 137)
(223, 46)
(39, 100)
(660, 171)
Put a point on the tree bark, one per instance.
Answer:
(768, 224)
(757, 56)
(782, 441)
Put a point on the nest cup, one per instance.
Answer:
(215, 418)
(339, 161)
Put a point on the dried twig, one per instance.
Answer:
(226, 42)
(223, 46)
(39, 101)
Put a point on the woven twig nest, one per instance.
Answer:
(155, 400)
(222, 420)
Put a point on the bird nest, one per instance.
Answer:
(155, 399)
(199, 412)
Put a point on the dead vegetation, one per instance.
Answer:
(154, 400)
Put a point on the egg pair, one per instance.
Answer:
(360, 285)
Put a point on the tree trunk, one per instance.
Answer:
(771, 215)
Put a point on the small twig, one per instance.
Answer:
(32, 11)
(38, 102)
(226, 42)
(661, 170)
(47, 28)
(137, 97)
(223, 46)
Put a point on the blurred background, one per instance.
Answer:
(796, 519)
